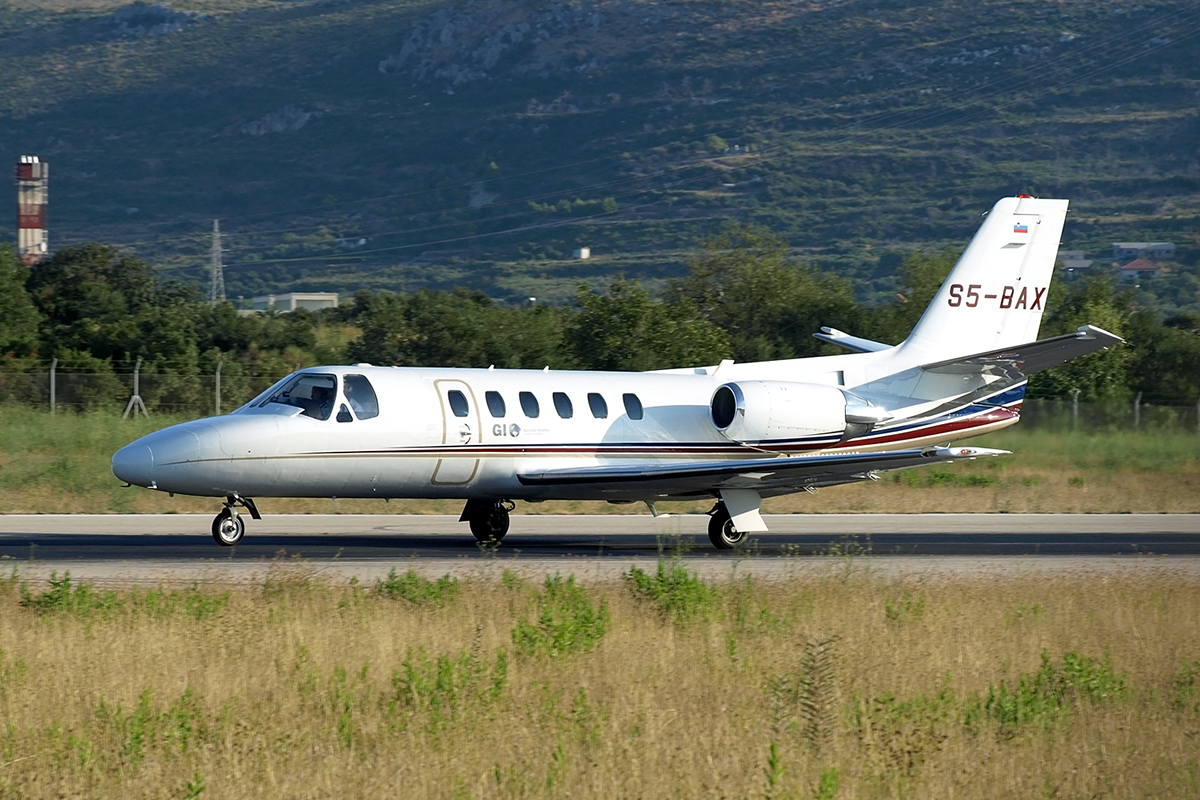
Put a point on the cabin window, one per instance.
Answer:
(458, 403)
(360, 396)
(495, 404)
(529, 404)
(312, 392)
(562, 404)
(344, 414)
(633, 406)
(598, 406)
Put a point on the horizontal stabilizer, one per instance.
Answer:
(1025, 359)
(858, 345)
(767, 476)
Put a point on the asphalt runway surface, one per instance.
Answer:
(158, 548)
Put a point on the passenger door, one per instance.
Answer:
(460, 429)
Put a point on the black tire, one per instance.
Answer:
(489, 524)
(228, 530)
(721, 532)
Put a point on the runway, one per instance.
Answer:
(158, 548)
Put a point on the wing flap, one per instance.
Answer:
(761, 474)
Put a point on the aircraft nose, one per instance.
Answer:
(133, 463)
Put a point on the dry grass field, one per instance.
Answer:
(844, 686)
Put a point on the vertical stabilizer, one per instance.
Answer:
(996, 293)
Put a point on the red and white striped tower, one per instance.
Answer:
(33, 178)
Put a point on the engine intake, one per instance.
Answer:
(766, 411)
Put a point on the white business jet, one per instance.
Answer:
(736, 433)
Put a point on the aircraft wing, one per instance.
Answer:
(1026, 359)
(767, 476)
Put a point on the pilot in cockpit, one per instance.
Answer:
(320, 406)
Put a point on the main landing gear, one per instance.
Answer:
(488, 518)
(228, 527)
(721, 531)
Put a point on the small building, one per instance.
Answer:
(1154, 251)
(1141, 269)
(1073, 260)
(313, 301)
(583, 253)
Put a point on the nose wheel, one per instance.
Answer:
(721, 532)
(229, 527)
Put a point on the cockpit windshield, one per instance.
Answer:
(312, 392)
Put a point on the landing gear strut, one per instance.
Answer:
(721, 531)
(228, 527)
(488, 518)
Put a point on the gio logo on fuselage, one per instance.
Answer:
(500, 429)
(1008, 298)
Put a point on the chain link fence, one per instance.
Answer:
(197, 395)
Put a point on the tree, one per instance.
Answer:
(455, 329)
(744, 283)
(1166, 358)
(18, 317)
(922, 275)
(1103, 375)
(95, 299)
(626, 329)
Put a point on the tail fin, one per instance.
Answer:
(996, 293)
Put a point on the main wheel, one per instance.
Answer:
(721, 531)
(490, 524)
(227, 529)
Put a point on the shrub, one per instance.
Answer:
(416, 589)
(678, 594)
(567, 621)
(1044, 697)
(62, 599)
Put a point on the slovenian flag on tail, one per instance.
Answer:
(1020, 227)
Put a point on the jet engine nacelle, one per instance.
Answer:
(756, 411)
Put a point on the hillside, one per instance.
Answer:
(406, 143)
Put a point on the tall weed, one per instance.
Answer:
(677, 594)
(567, 621)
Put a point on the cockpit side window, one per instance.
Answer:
(361, 396)
(312, 392)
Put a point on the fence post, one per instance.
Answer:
(1137, 410)
(217, 404)
(1075, 409)
(1198, 416)
(53, 398)
(135, 403)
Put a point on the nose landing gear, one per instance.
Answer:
(228, 527)
(488, 518)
